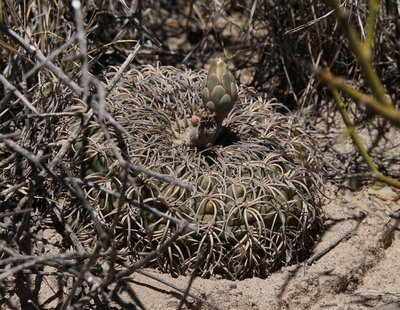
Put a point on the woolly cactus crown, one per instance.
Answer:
(254, 200)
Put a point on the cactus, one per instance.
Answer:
(256, 182)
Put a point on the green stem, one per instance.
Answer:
(363, 51)
(387, 111)
(358, 143)
(373, 6)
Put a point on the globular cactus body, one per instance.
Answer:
(255, 197)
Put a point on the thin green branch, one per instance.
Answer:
(387, 111)
(350, 128)
(380, 102)
(363, 51)
(373, 6)
(358, 143)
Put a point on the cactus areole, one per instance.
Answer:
(255, 198)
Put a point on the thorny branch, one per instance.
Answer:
(69, 264)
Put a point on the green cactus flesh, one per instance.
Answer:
(255, 192)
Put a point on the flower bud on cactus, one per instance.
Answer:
(219, 95)
(219, 92)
